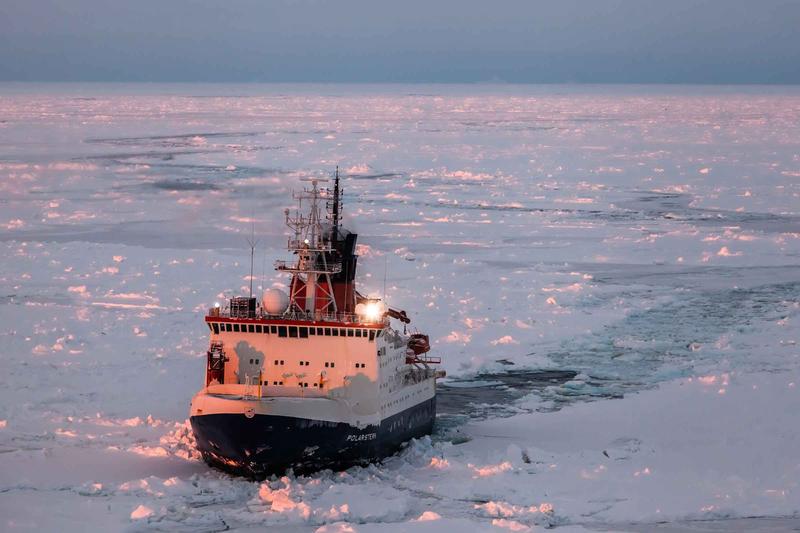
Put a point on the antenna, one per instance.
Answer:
(252, 242)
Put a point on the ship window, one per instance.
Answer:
(251, 361)
(293, 331)
(258, 328)
(209, 326)
(372, 335)
(378, 333)
(303, 333)
(216, 328)
(236, 328)
(333, 365)
(227, 327)
(328, 331)
(276, 361)
(251, 328)
(349, 332)
(358, 333)
(273, 329)
(319, 331)
(280, 383)
(312, 331)
(281, 331)
(335, 332)
(258, 361)
(327, 364)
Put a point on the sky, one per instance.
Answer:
(444, 41)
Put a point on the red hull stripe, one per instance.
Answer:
(285, 322)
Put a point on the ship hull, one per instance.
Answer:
(271, 444)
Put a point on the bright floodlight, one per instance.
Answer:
(373, 311)
(306, 241)
(216, 304)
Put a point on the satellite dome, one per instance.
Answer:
(274, 301)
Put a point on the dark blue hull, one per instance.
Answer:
(268, 444)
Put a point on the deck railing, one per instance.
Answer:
(250, 392)
(301, 316)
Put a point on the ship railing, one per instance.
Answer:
(250, 391)
(295, 266)
(303, 316)
(302, 244)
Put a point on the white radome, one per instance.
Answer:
(275, 301)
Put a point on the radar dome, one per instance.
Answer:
(275, 301)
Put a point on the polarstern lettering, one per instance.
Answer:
(362, 437)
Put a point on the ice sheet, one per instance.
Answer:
(640, 237)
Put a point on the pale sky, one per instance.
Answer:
(521, 41)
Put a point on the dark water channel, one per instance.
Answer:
(498, 390)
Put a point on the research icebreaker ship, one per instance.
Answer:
(316, 378)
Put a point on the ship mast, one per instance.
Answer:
(311, 290)
(336, 205)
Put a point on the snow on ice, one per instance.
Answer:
(641, 241)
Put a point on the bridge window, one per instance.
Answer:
(328, 331)
(281, 331)
(312, 331)
(251, 328)
(216, 328)
(349, 332)
(236, 328)
(273, 329)
(303, 333)
(258, 328)
(319, 331)
(358, 333)
(335, 332)
(371, 335)
(293, 331)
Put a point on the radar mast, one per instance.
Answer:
(311, 290)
